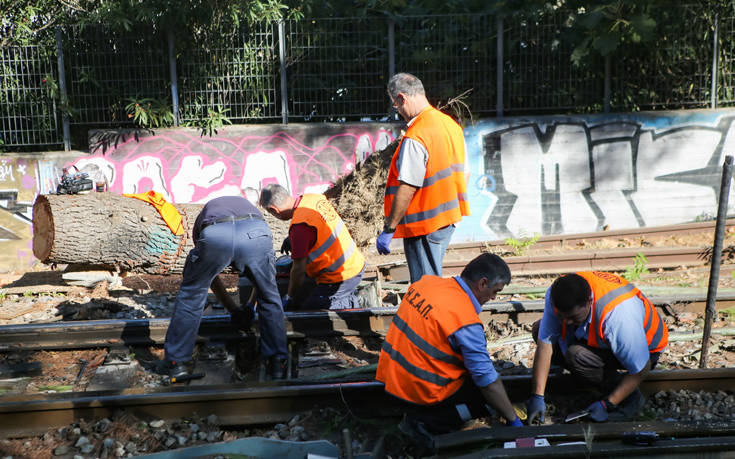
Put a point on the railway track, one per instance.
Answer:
(315, 324)
(258, 403)
(558, 259)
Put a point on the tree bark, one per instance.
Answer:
(110, 231)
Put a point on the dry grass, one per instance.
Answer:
(358, 196)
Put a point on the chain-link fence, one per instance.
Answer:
(28, 94)
(235, 76)
(336, 70)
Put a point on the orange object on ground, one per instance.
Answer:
(168, 212)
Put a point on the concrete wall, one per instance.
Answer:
(572, 174)
(539, 175)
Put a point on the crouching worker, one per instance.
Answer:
(229, 231)
(321, 248)
(434, 358)
(594, 324)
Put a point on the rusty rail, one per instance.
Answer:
(317, 324)
(259, 403)
(576, 260)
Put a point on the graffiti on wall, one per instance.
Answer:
(18, 184)
(187, 168)
(555, 175)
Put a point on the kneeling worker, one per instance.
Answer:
(321, 248)
(595, 323)
(434, 358)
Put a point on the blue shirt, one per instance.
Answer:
(470, 342)
(623, 327)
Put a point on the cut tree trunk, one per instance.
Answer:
(110, 231)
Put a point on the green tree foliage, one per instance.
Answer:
(23, 20)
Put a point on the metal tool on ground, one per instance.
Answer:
(576, 415)
(183, 378)
(82, 366)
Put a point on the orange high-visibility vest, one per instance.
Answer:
(608, 291)
(417, 363)
(334, 256)
(442, 198)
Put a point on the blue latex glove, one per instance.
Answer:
(598, 411)
(516, 423)
(536, 409)
(383, 242)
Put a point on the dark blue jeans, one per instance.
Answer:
(424, 254)
(341, 295)
(247, 245)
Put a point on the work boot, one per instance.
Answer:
(277, 368)
(418, 433)
(171, 368)
(629, 407)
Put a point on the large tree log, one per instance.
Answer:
(109, 231)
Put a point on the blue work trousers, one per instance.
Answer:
(340, 295)
(247, 245)
(424, 254)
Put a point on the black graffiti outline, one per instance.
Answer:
(550, 199)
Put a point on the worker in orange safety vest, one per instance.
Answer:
(594, 324)
(426, 189)
(434, 359)
(321, 248)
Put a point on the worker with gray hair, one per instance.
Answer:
(426, 190)
(321, 248)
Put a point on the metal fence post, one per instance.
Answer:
(391, 48)
(284, 85)
(499, 64)
(608, 77)
(714, 273)
(174, 77)
(62, 90)
(715, 62)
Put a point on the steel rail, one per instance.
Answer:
(259, 403)
(232, 404)
(556, 241)
(676, 439)
(576, 260)
(315, 324)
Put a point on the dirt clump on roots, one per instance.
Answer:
(358, 196)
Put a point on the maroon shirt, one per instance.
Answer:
(302, 236)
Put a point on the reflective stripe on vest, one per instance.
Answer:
(417, 362)
(442, 198)
(607, 300)
(334, 257)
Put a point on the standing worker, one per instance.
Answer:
(434, 359)
(425, 194)
(229, 231)
(321, 248)
(595, 323)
